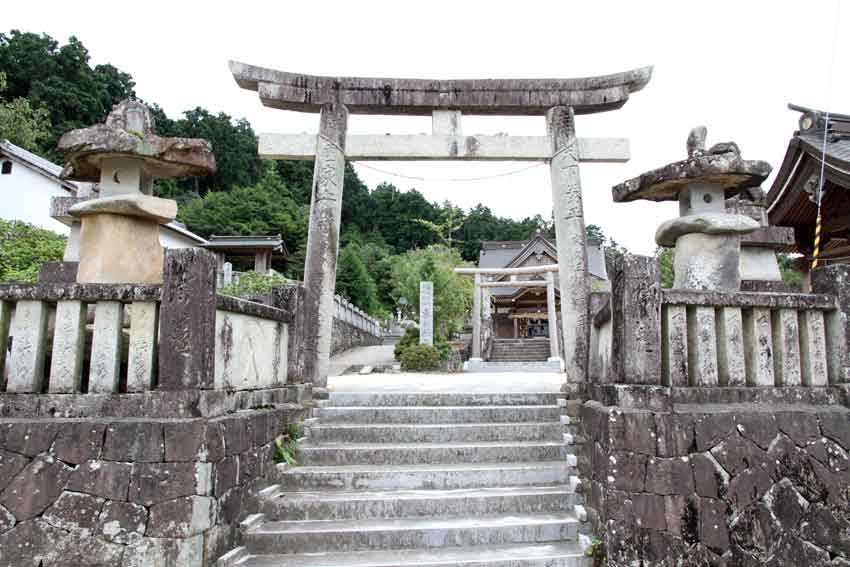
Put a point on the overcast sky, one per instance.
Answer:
(730, 65)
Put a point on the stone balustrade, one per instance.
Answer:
(688, 338)
(67, 338)
(347, 312)
(749, 339)
(125, 338)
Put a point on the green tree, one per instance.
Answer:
(451, 220)
(452, 292)
(354, 282)
(393, 216)
(262, 209)
(20, 123)
(611, 247)
(60, 79)
(23, 248)
(233, 142)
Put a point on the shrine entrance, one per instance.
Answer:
(559, 100)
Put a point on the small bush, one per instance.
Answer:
(445, 349)
(23, 248)
(286, 446)
(253, 283)
(410, 338)
(420, 357)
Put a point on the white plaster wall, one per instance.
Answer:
(172, 239)
(250, 352)
(25, 195)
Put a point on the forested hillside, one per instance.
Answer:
(57, 89)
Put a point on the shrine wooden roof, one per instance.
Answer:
(792, 199)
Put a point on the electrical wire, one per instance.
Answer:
(821, 180)
(451, 179)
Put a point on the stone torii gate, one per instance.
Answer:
(559, 100)
(481, 285)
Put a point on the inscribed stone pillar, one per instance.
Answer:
(476, 318)
(553, 316)
(187, 320)
(323, 243)
(636, 320)
(486, 308)
(571, 237)
(426, 314)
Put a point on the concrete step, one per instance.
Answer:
(365, 505)
(415, 453)
(383, 399)
(518, 351)
(508, 366)
(439, 433)
(354, 535)
(561, 554)
(417, 477)
(438, 414)
(518, 358)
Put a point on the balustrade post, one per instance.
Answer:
(636, 312)
(835, 280)
(187, 340)
(29, 346)
(69, 339)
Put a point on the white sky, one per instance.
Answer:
(730, 65)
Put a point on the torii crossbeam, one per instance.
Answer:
(559, 100)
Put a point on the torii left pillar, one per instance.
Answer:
(571, 241)
(323, 245)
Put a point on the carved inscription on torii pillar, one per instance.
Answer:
(446, 101)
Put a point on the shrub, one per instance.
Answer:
(444, 348)
(410, 338)
(253, 283)
(420, 357)
(23, 248)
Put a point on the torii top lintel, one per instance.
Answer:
(361, 95)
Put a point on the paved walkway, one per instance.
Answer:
(371, 355)
(471, 382)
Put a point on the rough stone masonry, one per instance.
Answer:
(136, 489)
(720, 485)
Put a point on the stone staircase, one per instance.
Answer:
(425, 479)
(520, 350)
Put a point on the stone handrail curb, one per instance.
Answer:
(751, 299)
(124, 293)
(237, 305)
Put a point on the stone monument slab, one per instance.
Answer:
(426, 313)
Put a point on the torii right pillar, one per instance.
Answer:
(571, 241)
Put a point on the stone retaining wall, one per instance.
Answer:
(706, 485)
(133, 491)
(346, 336)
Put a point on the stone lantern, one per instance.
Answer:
(119, 235)
(705, 235)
